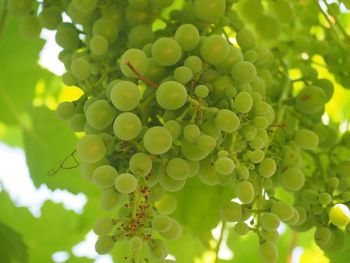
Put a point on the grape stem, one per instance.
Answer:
(341, 28)
(141, 77)
(218, 245)
(3, 17)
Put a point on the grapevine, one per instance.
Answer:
(203, 90)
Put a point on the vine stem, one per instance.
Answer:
(141, 77)
(3, 17)
(340, 26)
(293, 243)
(217, 249)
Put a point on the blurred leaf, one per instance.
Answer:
(11, 135)
(12, 247)
(19, 72)
(55, 230)
(47, 143)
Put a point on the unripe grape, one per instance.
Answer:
(125, 183)
(224, 165)
(166, 205)
(245, 192)
(306, 139)
(140, 164)
(339, 215)
(269, 221)
(292, 179)
(231, 212)
(136, 243)
(209, 11)
(104, 176)
(267, 167)
(171, 95)
(103, 226)
(157, 140)
(268, 252)
(91, 148)
(104, 244)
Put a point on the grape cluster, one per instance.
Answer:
(209, 96)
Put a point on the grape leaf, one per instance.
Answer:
(47, 142)
(12, 247)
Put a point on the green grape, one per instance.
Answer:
(339, 215)
(80, 17)
(140, 164)
(161, 223)
(50, 17)
(107, 28)
(207, 172)
(267, 27)
(30, 26)
(227, 121)
(136, 243)
(249, 132)
(91, 148)
(183, 74)
(136, 16)
(268, 252)
(209, 128)
(250, 9)
(100, 114)
(104, 176)
(127, 126)
(292, 179)
(187, 36)
(241, 228)
(67, 36)
(215, 49)
(267, 168)
(256, 156)
(245, 192)
(231, 212)
(206, 143)
(243, 172)
(243, 72)
(86, 6)
(125, 95)
(103, 226)
(166, 51)
(125, 183)
(194, 168)
(246, 39)
(283, 210)
(140, 35)
(174, 128)
(326, 86)
(77, 122)
(201, 91)
(193, 151)
(174, 232)
(260, 122)
(87, 169)
(243, 102)
(191, 132)
(209, 10)
(65, 110)
(158, 249)
(109, 199)
(166, 205)
(324, 237)
(294, 220)
(283, 11)
(251, 56)
(333, 182)
(235, 55)
(269, 221)
(178, 169)
(156, 194)
(337, 243)
(104, 244)
(98, 45)
(306, 139)
(154, 72)
(157, 140)
(310, 100)
(325, 199)
(292, 158)
(137, 59)
(168, 183)
(19, 7)
(194, 63)
(81, 68)
(68, 79)
(270, 236)
(258, 85)
(224, 165)
(171, 95)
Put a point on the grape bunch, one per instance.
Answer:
(201, 91)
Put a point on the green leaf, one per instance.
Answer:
(12, 247)
(57, 229)
(47, 143)
(19, 72)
